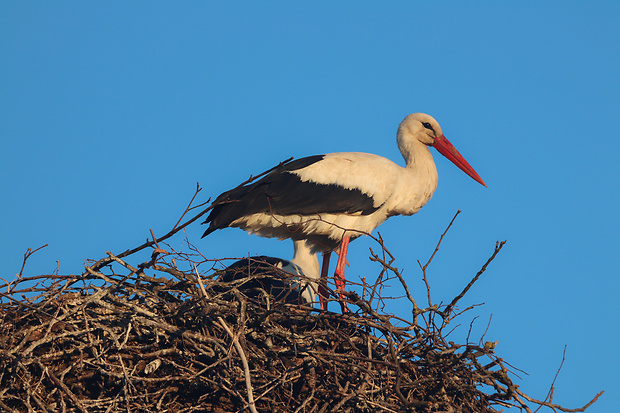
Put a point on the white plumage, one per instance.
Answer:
(329, 199)
(309, 272)
(392, 189)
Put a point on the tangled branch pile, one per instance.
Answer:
(167, 336)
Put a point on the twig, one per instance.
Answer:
(557, 406)
(64, 388)
(27, 255)
(177, 227)
(244, 361)
(189, 206)
(202, 286)
(552, 387)
(153, 235)
(428, 288)
(415, 311)
(498, 248)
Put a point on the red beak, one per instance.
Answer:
(448, 150)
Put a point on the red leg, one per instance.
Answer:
(339, 273)
(322, 290)
(342, 260)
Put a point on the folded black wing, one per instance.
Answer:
(282, 192)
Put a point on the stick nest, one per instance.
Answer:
(167, 336)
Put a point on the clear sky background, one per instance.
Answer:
(110, 112)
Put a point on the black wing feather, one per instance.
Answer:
(284, 193)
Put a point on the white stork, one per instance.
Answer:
(329, 199)
(294, 281)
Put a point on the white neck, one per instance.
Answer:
(420, 161)
(414, 151)
(308, 261)
(417, 184)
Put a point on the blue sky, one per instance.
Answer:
(112, 111)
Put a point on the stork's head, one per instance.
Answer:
(422, 128)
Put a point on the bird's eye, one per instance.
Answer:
(428, 126)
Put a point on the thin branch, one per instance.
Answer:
(441, 239)
(189, 206)
(557, 406)
(498, 248)
(424, 275)
(244, 361)
(177, 227)
(27, 255)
